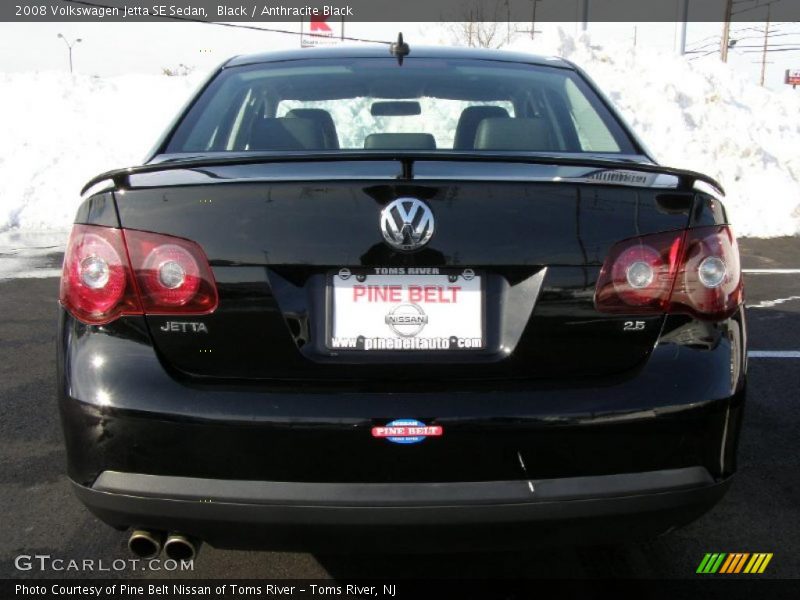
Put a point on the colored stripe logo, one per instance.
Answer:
(734, 562)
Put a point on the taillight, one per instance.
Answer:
(709, 284)
(173, 274)
(695, 272)
(169, 275)
(96, 283)
(638, 274)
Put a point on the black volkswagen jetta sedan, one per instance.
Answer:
(438, 298)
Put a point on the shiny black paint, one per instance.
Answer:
(409, 163)
(272, 245)
(707, 210)
(336, 223)
(576, 397)
(98, 209)
(572, 381)
(682, 408)
(377, 51)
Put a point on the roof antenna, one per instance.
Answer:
(399, 49)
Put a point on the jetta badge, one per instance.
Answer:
(407, 224)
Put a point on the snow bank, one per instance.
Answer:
(703, 115)
(56, 131)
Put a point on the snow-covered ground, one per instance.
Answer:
(56, 131)
(704, 116)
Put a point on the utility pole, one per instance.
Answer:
(584, 14)
(533, 17)
(726, 30)
(766, 44)
(69, 47)
(680, 34)
(508, 22)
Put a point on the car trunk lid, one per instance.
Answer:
(278, 233)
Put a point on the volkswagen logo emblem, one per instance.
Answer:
(407, 224)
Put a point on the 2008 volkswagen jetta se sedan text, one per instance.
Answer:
(430, 297)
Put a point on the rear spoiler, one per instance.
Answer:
(609, 170)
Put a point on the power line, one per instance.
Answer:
(710, 37)
(703, 47)
(714, 51)
(240, 26)
(768, 51)
(795, 45)
(756, 7)
(742, 38)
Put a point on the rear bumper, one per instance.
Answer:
(402, 517)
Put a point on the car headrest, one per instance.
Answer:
(323, 119)
(513, 134)
(400, 141)
(286, 134)
(468, 123)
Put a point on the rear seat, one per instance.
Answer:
(532, 135)
(324, 121)
(287, 133)
(469, 121)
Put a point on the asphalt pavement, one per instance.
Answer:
(760, 513)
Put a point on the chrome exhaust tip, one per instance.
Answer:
(145, 544)
(181, 547)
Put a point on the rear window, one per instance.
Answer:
(375, 104)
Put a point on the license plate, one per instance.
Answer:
(406, 309)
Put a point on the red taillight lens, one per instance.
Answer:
(96, 283)
(172, 275)
(709, 283)
(638, 274)
(695, 272)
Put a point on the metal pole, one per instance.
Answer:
(766, 43)
(584, 14)
(726, 31)
(69, 48)
(683, 17)
(508, 21)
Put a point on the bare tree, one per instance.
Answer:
(486, 24)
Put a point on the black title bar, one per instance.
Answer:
(397, 10)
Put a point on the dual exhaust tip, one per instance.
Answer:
(148, 544)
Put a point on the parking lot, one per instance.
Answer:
(760, 513)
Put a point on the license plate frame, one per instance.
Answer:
(471, 283)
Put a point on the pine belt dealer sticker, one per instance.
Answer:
(406, 431)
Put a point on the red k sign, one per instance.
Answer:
(318, 32)
(319, 25)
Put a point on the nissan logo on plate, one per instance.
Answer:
(407, 224)
(407, 320)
